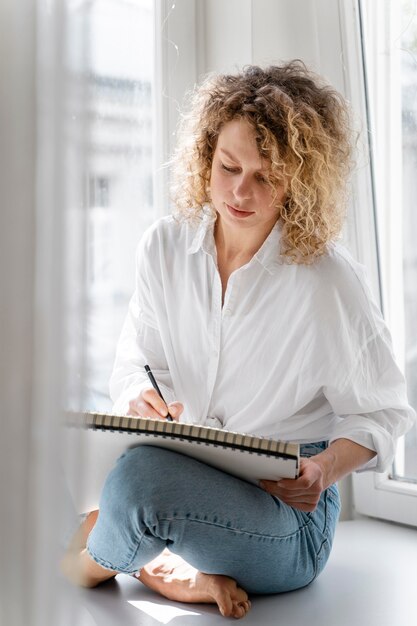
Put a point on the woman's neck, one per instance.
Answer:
(236, 246)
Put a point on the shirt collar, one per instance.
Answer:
(268, 254)
(203, 238)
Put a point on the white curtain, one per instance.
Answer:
(41, 223)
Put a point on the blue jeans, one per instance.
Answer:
(155, 499)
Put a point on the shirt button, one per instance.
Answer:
(227, 312)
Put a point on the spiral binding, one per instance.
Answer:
(189, 432)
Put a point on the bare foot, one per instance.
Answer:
(77, 565)
(175, 579)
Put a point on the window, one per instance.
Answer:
(407, 468)
(98, 192)
(133, 86)
(119, 198)
(393, 80)
(390, 40)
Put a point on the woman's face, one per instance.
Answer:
(239, 189)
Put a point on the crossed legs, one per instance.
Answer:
(194, 534)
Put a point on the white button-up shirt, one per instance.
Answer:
(296, 352)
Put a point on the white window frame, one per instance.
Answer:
(175, 34)
(375, 494)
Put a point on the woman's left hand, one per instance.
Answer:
(303, 492)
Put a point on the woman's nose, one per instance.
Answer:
(242, 188)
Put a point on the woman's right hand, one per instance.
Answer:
(149, 404)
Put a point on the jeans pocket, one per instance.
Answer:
(333, 494)
(322, 557)
(325, 521)
(332, 509)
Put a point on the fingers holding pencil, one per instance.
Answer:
(149, 404)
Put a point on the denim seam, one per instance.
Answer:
(123, 567)
(238, 530)
(104, 563)
(329, 496)
(317, 561)
(229, 528)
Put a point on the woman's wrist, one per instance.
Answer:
(342, 457)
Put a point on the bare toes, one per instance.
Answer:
(238, 612)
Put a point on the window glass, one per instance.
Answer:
(118, 186)
(390, 29)
(408, 46)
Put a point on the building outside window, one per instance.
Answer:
(119, 198)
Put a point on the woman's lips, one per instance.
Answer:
(238, 212)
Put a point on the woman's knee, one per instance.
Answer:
(137, 480)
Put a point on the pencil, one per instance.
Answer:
(155, 386)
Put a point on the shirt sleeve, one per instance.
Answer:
(139, 344)
(372, 402)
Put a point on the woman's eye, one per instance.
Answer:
(235, 170)
(232, 170)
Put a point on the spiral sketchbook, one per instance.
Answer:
(97, 440)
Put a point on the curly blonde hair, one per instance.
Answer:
(302, 127)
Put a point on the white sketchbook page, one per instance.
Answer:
(98, 451)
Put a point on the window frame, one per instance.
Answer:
(378, 495)
(374, 494)
(176, 32)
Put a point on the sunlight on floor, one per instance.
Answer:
(160, 612)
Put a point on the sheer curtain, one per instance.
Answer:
(41, 220)
(77, 180)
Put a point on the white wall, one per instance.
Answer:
(269, 31)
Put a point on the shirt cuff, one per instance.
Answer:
(378, 440)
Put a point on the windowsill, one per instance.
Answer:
(371, 579)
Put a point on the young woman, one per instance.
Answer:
(253, 318)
